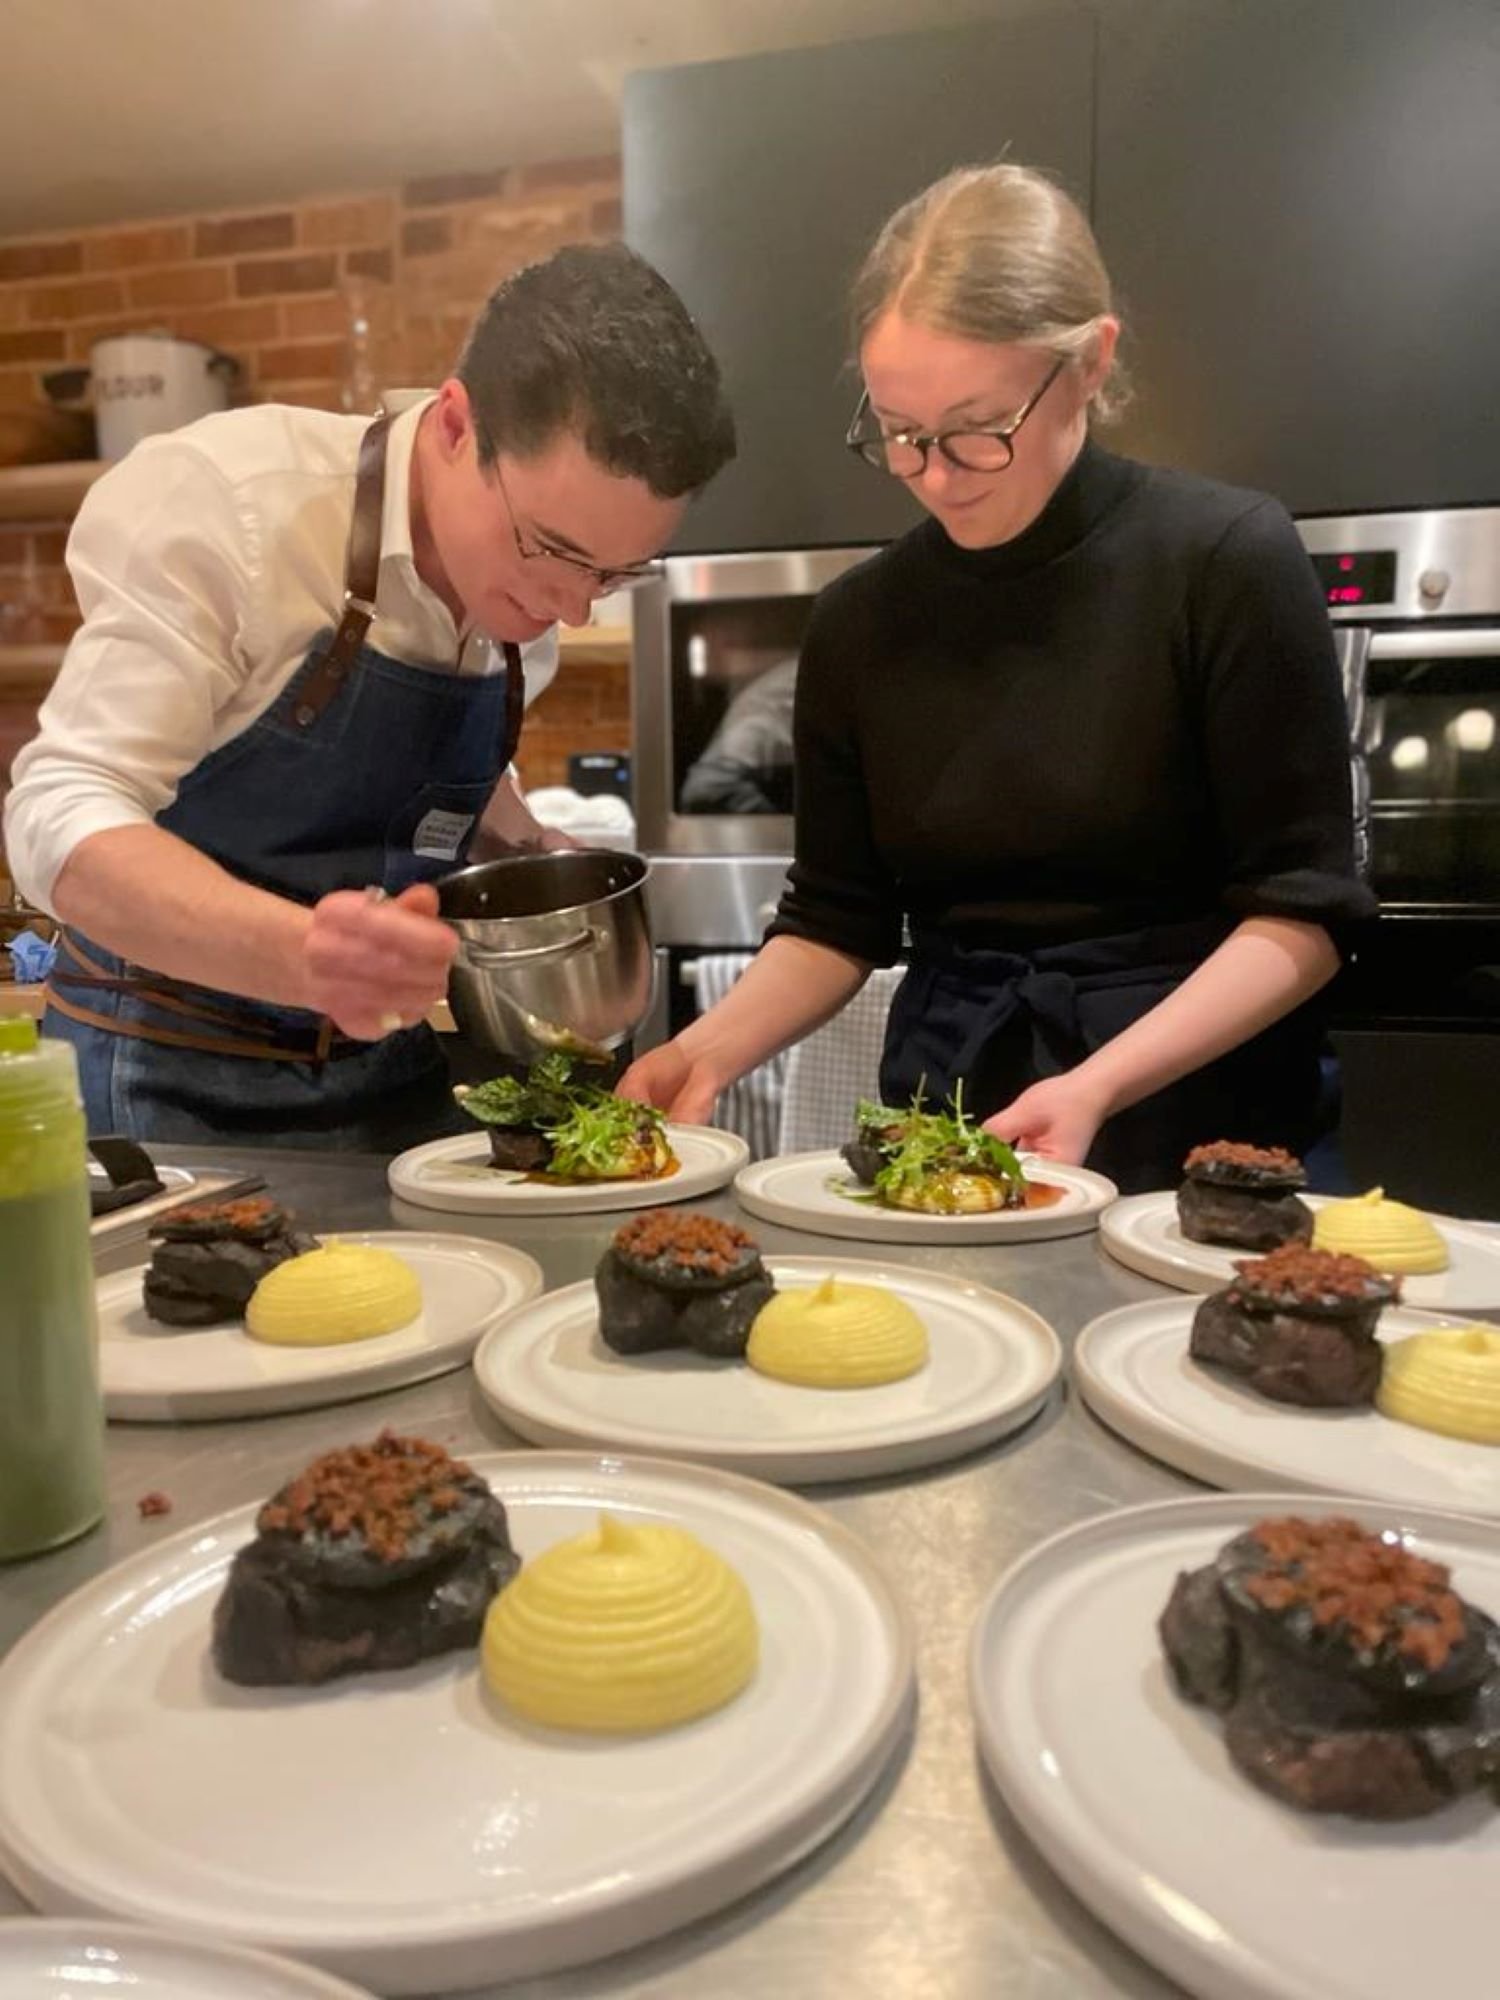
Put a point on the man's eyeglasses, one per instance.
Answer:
(604, 580)
(904, 453)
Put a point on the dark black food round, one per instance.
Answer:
(245, 1221)
(1320, 1739)
(347, 1562)
(1246, 1178)
(1350, 1682)
(1313, 1361)
(864, 1159)
(669, 1273)
(199, 1283)
(639, 1315)
(277, 1625)
(1243, 1218)
(521, 1148)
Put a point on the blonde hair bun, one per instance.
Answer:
(998, 253)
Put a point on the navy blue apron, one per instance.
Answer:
(366, 770)
(998, 1021)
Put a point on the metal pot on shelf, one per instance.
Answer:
(554, 951)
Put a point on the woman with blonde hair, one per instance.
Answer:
(1079, 733)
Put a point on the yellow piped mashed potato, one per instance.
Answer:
(1446, 1380)
(837, 1336)
(337, 1293)
(629, 1628)
(1385, 1233)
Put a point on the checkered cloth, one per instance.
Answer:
(829, 1073)
(751, 1107)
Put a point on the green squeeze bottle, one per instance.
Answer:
(51, 1417)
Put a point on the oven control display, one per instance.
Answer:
(1367, 576)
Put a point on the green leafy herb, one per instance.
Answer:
(936, 1144)
(594, 1135)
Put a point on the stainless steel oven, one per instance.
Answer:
(1415, 598)
(714, 660)
(1422, 591)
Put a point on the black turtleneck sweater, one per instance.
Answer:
(1128, 715)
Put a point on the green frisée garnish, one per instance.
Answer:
(939, 1162)
(593, 1134)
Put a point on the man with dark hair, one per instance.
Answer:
(294, 699)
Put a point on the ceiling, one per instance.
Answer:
(134, 108)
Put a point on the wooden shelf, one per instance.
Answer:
(28, 669)
(47, 492)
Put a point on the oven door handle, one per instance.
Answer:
(1477, 642)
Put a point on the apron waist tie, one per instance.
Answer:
(1048, 992)
(245, 1037)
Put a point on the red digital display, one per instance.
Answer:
(1357, 576)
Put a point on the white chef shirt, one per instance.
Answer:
(205, 564)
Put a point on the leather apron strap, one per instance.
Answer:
(237, 1034)
(361, 579)
(361, 585)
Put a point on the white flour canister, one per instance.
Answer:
(149, 382)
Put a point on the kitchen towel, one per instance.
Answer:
(751, 1107)
(829, 1073)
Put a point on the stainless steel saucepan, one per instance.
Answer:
(554, 951)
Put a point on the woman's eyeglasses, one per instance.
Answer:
(604, 580)
(904, 453)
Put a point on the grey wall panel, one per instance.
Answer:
(1300, 202)
(756, 186)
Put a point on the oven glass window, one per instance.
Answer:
(1433, 751)
(734, 669)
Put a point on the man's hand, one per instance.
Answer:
(373, 966)
(665, 1077)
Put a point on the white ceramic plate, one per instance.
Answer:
(159, 1374)
(1141, 1230)
(991, 1364)
(814, 1191)
(1135, 1373)
(400, 1828)
(455, 1174)
(78, 1958)
(1128, 1791)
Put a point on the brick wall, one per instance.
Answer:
(278, 288)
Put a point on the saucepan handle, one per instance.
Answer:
(488, 956)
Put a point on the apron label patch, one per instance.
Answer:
(439, 835)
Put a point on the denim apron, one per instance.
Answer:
(365, 771)
(998, 1021)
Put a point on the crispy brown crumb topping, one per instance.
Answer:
(1235, 1153)
(250, 1212)
(697, 1242)
(1296, 1274)
(1377, 1592)
(385, 1491)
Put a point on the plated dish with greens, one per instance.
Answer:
(558, 1124)
(556, 1142)
(919, 1175)
(939, 1163)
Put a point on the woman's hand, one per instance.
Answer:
(372, 965)
(1056, 1118)
(685, 1089)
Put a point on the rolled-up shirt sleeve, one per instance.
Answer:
(839, 893)
(163, 557)
(1276, 730)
